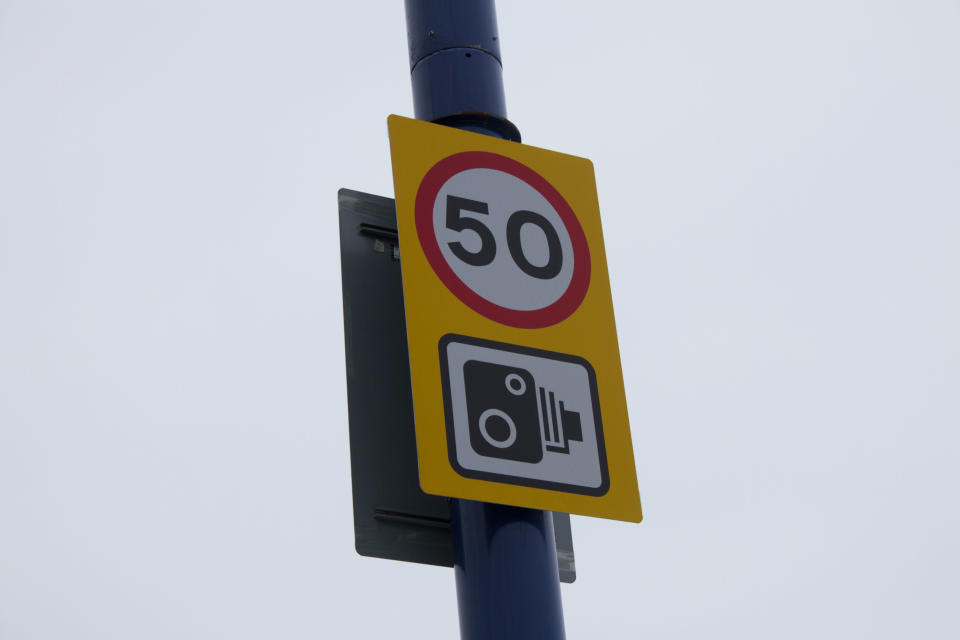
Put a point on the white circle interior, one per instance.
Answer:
(502, 281)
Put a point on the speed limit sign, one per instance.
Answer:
(524, 261)
(517, 387)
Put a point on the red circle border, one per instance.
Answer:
(553, 313)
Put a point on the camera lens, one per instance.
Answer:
(494, 424)
(515, 384)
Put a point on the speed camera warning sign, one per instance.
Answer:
(517, 387)
(522, 416)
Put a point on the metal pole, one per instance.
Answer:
(505, 558)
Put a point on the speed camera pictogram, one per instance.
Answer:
(518, 394)
(522, 416)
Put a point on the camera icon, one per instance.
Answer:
(511, 417)
(523, 416)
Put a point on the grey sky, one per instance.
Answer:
(779, 186)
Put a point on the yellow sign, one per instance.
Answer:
(517, 388)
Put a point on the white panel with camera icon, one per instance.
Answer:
(523, 416)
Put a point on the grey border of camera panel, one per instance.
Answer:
(392, 517)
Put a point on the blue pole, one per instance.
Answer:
(505, 558)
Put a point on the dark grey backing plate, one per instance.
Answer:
(392, 517)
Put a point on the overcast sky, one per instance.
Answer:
(780, 191)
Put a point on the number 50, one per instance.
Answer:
(488, 245)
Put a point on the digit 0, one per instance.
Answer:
(515, 245)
